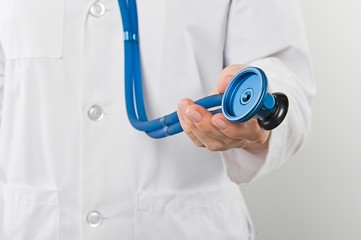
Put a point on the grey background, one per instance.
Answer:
(317, 194)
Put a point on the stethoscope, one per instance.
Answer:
(245, 97)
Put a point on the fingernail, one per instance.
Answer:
(220, 124)
(195, 116)
(183, 106)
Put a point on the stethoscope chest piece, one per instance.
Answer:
(246, 97)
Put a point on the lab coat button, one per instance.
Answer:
(97, 9)
(96, 113)
(94, 219)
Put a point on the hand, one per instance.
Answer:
(213, 131)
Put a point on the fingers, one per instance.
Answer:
(191, 116)
(214, 131)
(249, 130)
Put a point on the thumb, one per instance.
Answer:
(226, 76)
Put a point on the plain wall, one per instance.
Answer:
(317, 194)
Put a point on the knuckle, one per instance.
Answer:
(259, 136)
(236, 143)
(230, 141)
(187, 131)
(192, 127)
(199, 144)
(263, 138)
(215, 146)
(207, 130)
(242, 144)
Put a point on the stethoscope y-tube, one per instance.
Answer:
(245, 97)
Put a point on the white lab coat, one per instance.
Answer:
(67, 176)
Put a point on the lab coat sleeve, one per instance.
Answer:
(269, 34)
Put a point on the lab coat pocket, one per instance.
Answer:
(32, 28)
(211, 215)
(30, 213)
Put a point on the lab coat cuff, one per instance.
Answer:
(245, 166)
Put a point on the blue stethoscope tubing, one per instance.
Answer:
(239, 103)
(160, 127)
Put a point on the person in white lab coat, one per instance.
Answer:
(71, 165)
